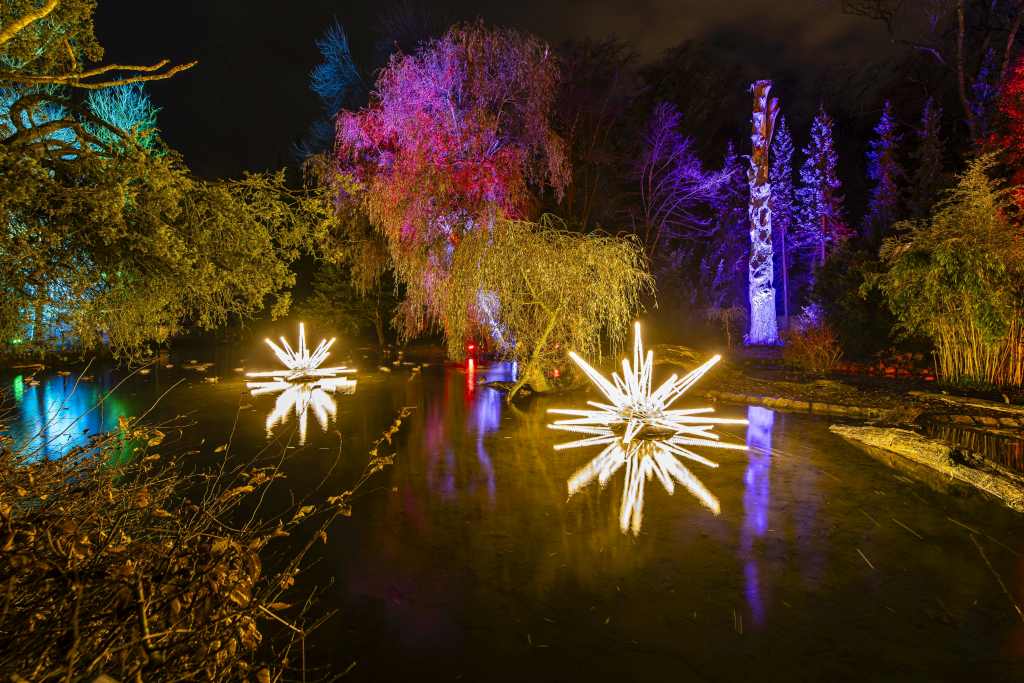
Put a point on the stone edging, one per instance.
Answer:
(796, 405)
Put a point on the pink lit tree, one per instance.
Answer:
(456, 136)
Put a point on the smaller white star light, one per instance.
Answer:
(634, 408)
(302, 364)
(302, 385)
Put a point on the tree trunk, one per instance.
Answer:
(533, 373)
(764, 327)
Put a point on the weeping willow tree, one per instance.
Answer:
(958, 279)
(553, 291)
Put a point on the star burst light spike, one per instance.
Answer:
(301, 364)
(634, 408)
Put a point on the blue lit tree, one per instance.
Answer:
(126, 107)
(783, 203)
(337, 83)
(885, 171)
(820, 224)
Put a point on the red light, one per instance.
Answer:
(556, 373)
(472, 346)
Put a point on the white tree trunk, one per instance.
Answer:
(764, 328)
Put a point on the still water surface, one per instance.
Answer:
(470, 560)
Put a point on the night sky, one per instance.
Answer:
(246, 102)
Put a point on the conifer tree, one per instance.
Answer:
(821, 226)
(783, 204)
(885, 171)
(926, 181)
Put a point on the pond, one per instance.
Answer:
(485, 554)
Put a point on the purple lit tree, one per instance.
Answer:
(673, 184)
(764, 328)
(456, 136)
(783, 203)
(820, 224)
(885, 171)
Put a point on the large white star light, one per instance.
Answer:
(634, 408)
(301, 364)
(638, 429)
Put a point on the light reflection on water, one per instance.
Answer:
(469, 544)
(55, 416)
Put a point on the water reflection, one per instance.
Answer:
(643, 459)
(300, 399)
(477, 416)
(756, 502)
(60, 413)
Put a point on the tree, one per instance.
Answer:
(1007, 139)
(885, 171)
(764, 328)
(724, 264)
(974, 41)
(957, 278)
(821, 226)
(927, 178)
(102, 241)
(127, 108)
(783, 202)
(337, 84)
(673, 184)
(559, 291)
(456, 136)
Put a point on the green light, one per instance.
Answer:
(19, 388)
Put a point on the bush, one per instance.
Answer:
(810, 344)
(957, 278)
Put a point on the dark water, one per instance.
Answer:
(469, 560)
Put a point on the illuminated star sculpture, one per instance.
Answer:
(302, 385)
(635, 408)
(301, 364)
(638, 429)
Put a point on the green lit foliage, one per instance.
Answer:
(958, 279)
(558, 291)
(130, 248)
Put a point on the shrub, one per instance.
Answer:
(810, 344)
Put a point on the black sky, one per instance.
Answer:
(247, 101)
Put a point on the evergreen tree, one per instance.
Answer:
(783, 205)
(926, 181)
(885, 172)
(820, 223)
(724, 266)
